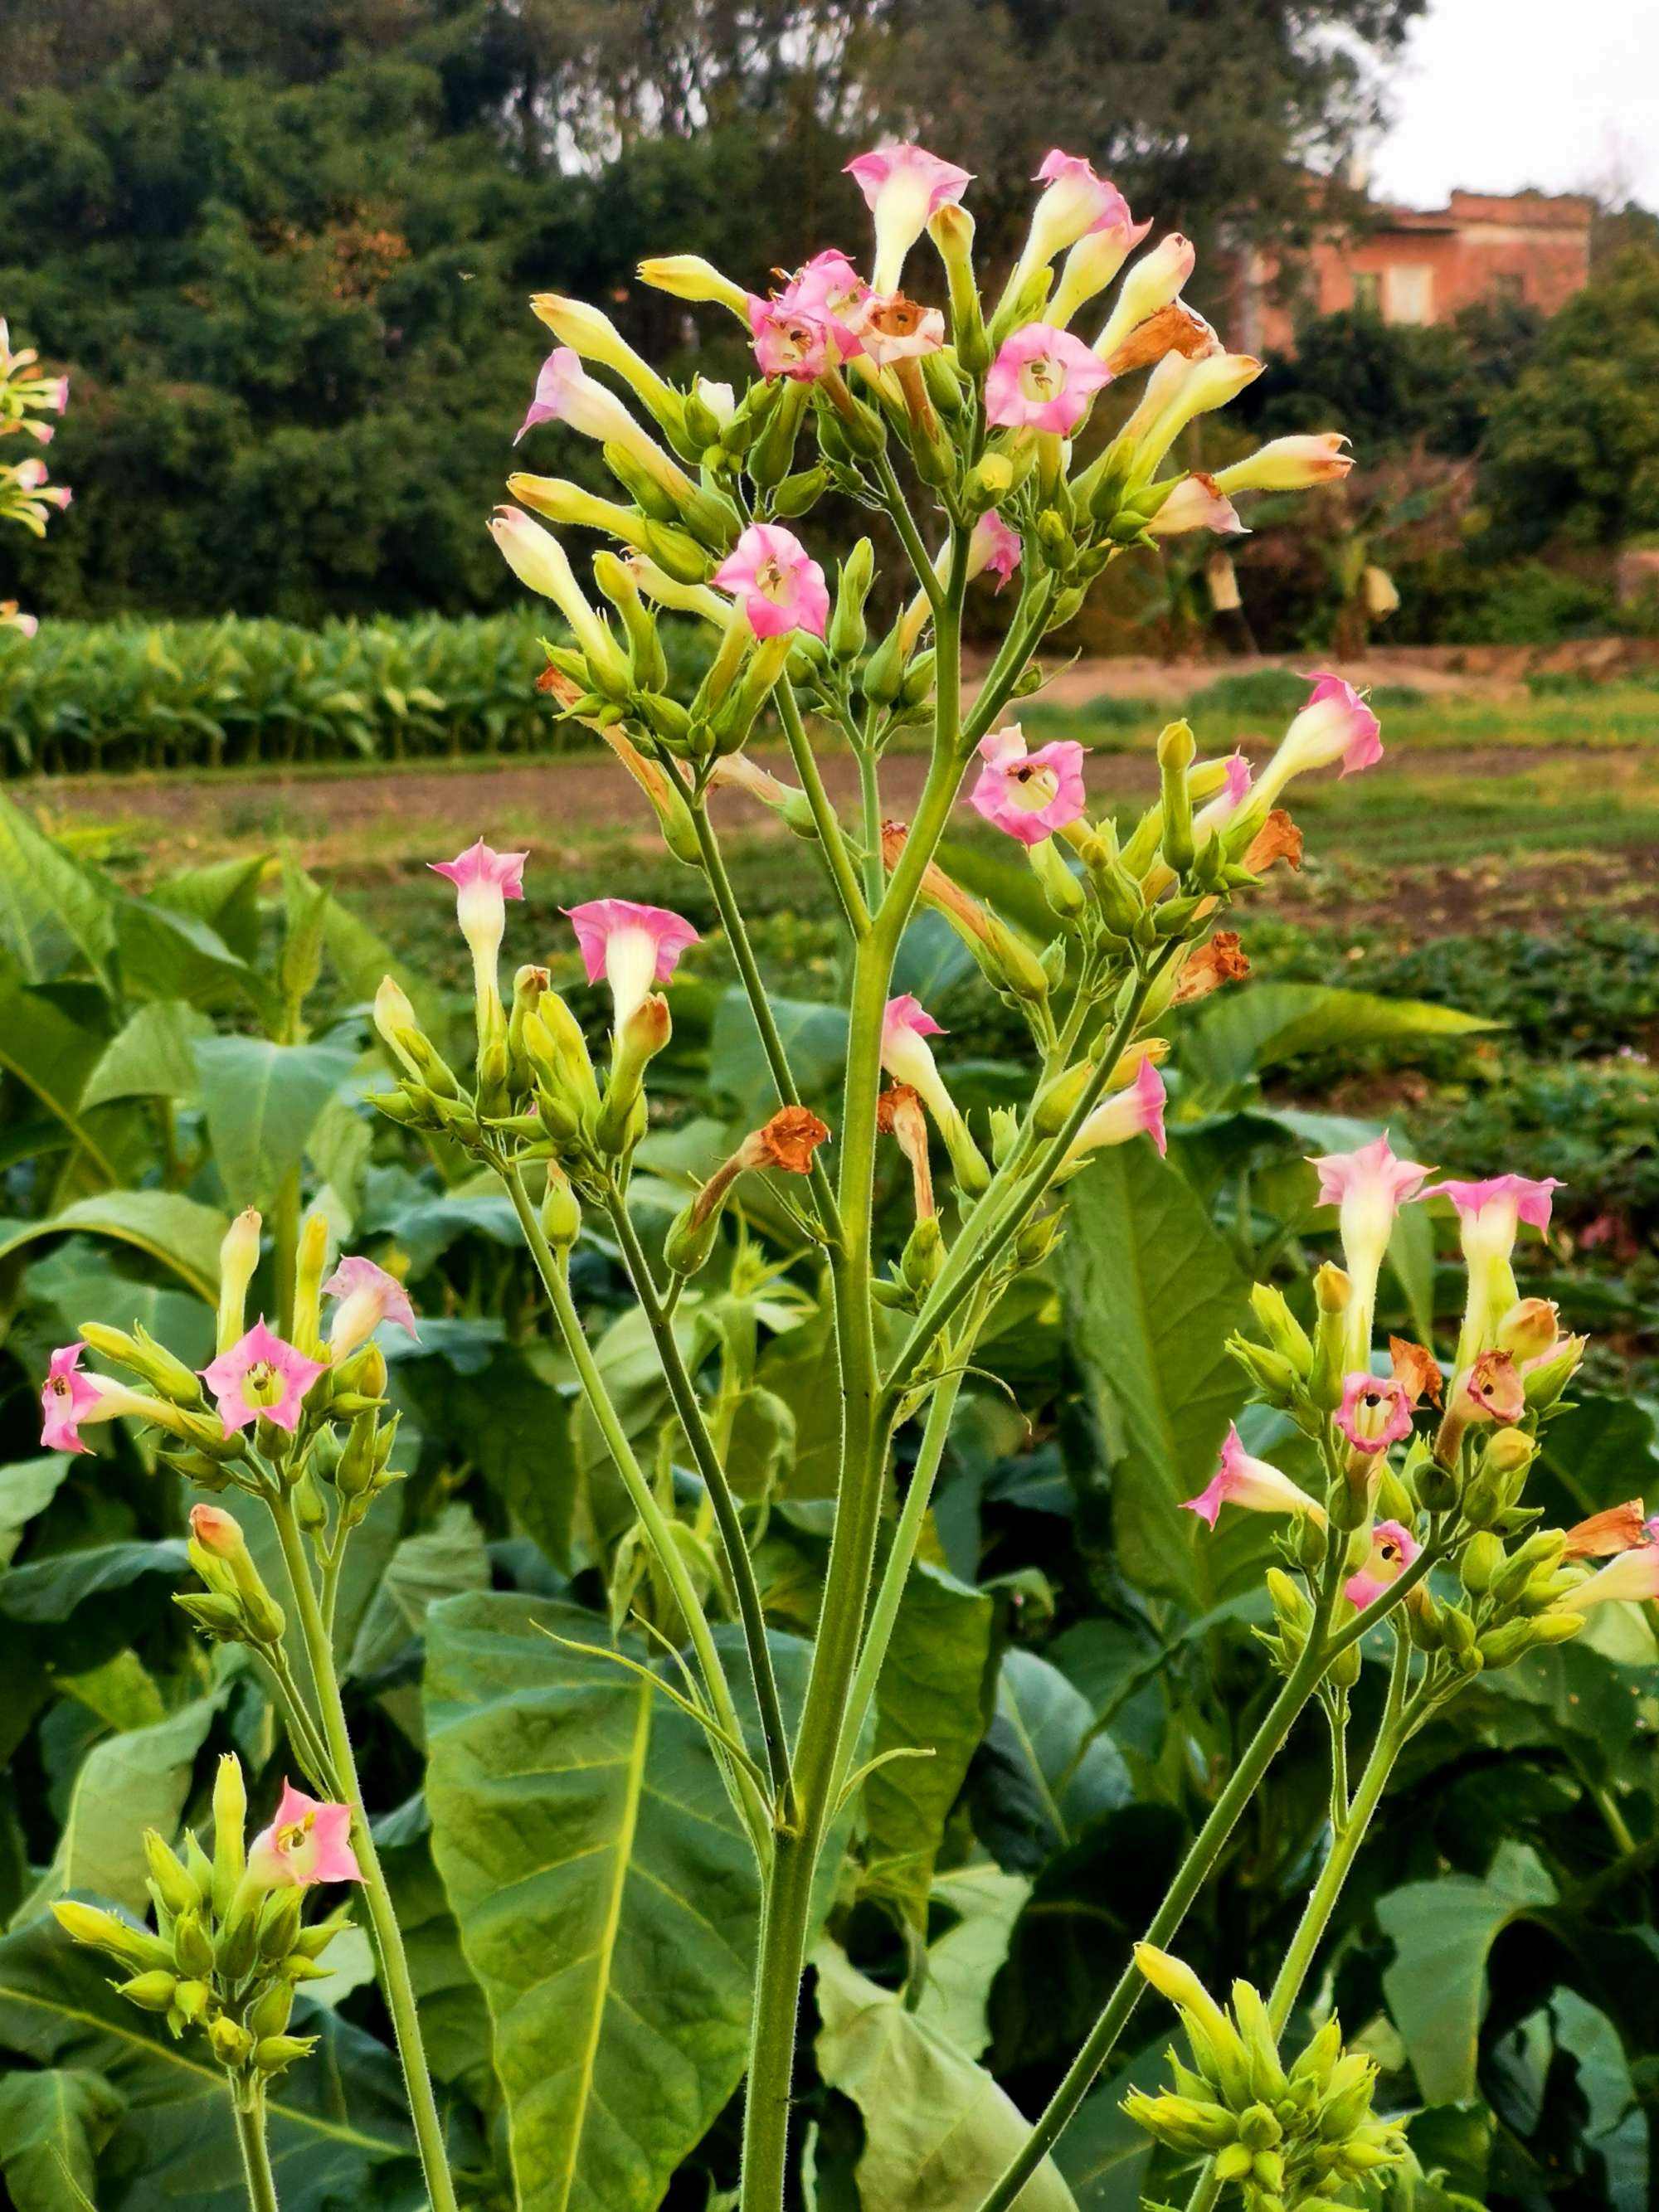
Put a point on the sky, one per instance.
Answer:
(1495, 94)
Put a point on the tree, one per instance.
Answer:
(1573, 450)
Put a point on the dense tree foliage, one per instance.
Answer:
(285, 251)
(1574, 449)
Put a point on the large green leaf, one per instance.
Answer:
(605, 1895)
(152, 1057)
(1442, 1931)
(261, 1100)
(938, 2129)
(814, 1036)
(54, 916)
(53, 1055)
(52, 2125)
(963, 1962)
(333, 2120)
(177, 1230)
(167, 954)
(439, 1562)
(1152, 1295)
(1103, 2155)
(1045, 1728)
(46, 1592)
(28, 1486)
(927, 1698)
(135, 1780)
(1242, 1033)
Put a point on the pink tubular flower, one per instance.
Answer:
(368, 1297)
(630, 946)
(788, 341)
(906, 1019)
(1076, 203)
(1375, 1413)
(1393, 1550)
(1492, 1211)
(484, 880)
(1368, 1187)
(1196, 504)
(12, 617)
(829, 289)
(993, 548)
(1253, 1484)
(1042, 379)
(775, 581)
(261, 1377)
(902, 186)
(68, 1399)
(308, 1841)
(1029, 795)
(1136, 1111)
(1335, 724)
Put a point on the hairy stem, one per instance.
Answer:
(842, 874)
(256, 2151)
(740, 1565)
(388, 1941)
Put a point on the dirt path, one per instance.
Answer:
(576, 795)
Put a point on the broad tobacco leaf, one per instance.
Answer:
(606, 1897)
(1152, 1294)
(52, 2125)
(1442, 1932)
(938, 2130)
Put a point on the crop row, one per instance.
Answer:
(118, 697)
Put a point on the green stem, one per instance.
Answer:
(256, 2152)
(393, 1961)
(875, 874)
(786, 1906)
(755, 1815)
(308, 1747)
(842, 874)
(740, 1565)
(760, 1003)
(899, 508)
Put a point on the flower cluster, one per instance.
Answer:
(28, 401)
(987, 398)
(230, 1945)
(1420, 1468)
(264, 1416)
(1285, 2136)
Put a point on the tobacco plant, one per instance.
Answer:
(961, 430)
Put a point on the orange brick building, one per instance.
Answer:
(1423, 265)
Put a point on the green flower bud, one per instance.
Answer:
(232, 2046)
(150, 1992)
(848, 634)
(173, 1887)
(229, 1828)
(277, 2052)
(270, 2013)
(191, 2000)
(191, 1947)
(109, 1932)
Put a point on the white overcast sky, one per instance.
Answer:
(1495, 94)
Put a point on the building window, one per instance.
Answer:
(1408, 294)
(1367, 292)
